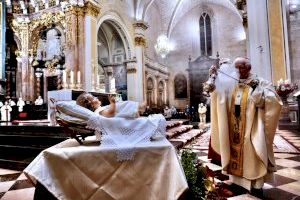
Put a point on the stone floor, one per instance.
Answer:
(15, 186)
(286, 185)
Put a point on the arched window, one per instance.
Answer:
(205, 35)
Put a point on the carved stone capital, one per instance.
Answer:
(71, 10)
(140, 25)
(245, 19)
(91, 9)
(108, 70)
(140, 41)
(240, 4)
(131, 67)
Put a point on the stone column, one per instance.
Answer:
(19, 78)
(278, 61)
(31, 77)
(81, 52)
(156, 89)
(90, 40)
(140, 42)
(26, 71)
(131, 80)
(38, 83)
(7, 84)
(166, 91)
(109, 72)
(71, 38)
(259, 40)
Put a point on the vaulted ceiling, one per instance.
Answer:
(172, 11)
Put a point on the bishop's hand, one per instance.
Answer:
(212, 70)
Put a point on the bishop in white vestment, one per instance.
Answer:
(244, 118)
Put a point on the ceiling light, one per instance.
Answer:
(162, 46)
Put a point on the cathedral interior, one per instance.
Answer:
(156, 52)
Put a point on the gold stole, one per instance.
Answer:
(237, 132)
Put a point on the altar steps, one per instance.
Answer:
(180, 135)
(19, 145)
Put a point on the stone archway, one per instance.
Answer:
(150, 92)
(160, 94)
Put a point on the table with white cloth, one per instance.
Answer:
(86, 172)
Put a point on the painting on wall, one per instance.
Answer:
(180, 86)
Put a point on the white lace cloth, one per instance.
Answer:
(123, 132)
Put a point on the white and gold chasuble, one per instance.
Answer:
(243, 125)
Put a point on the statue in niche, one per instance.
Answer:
(53, 47)
(180, 84)
(50, 55)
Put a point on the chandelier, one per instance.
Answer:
(294, 6)
(162, 46)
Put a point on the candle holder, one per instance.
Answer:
(94, 86)
(72, 86)
(65, 85)
(79, 86)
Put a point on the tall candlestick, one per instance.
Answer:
(72, 77)
(78, 77)
(113, 85)
(98, 80)
(64, 76)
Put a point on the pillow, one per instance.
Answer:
(72, 109)
(70, 119)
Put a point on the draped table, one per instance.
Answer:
(86, 172)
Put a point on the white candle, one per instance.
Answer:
(98, 79)
(72, 77)
(64, 76)
(113, 83)
(78, 77)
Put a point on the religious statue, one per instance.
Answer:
(1, 104)
(5, 112)
(202, 112)
(20, 104)
(39, 101)
(11, 102)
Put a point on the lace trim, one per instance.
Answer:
(124, 139)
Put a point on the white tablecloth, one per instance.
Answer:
(86, 172)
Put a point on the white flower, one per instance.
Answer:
(282, 88)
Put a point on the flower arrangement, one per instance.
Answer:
(285, 87)
(200, 179)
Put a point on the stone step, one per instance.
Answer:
(30, 140)
(171, 133)
(187, 136)
(14, 164)
(19, 145)
(171, 124)
(19, 153)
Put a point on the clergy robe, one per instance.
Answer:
(244, 137)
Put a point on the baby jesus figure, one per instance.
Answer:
(126, 109)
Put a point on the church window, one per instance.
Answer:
(205, 35)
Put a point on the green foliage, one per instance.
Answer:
(199, 184)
